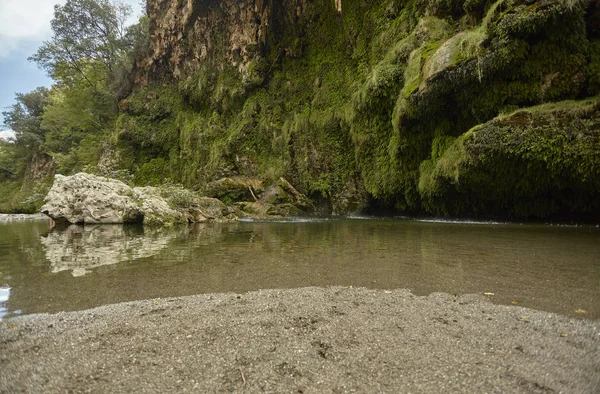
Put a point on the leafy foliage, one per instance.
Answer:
(85, 32)
(24, 118)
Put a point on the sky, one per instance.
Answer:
(24, 25)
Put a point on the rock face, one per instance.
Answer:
(356, 101)
(90, 199)
(202, 32)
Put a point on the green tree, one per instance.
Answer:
(86, 32)
(25, 119)
(89, 57)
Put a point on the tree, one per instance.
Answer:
(86, 33)
(25, 119)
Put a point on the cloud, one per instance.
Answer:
(23, 22)
(7, 134)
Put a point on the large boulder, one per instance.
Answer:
(86, 198)
(91, 199)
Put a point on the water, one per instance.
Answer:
(552, 268)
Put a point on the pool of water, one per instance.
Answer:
(552, 268)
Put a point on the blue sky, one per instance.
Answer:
(24, 25)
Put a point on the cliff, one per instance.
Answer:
(413, 105)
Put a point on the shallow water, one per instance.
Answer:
(551, 268)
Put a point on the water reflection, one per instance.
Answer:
(79, 249)
(548, 268)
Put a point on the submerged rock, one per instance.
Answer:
(91, 199)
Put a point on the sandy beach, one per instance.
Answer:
(302, 340)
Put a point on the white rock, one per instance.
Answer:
(86, 198)
(90, 199)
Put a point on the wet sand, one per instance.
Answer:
(331, 340)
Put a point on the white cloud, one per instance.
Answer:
(6, 134)
(24, 21)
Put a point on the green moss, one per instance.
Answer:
(153, 172)
(593, 69)
(537, 162)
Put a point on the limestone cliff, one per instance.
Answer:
(356, 102)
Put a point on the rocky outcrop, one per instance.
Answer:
(250, 198)
(91, 199)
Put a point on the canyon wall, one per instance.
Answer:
(451, 107)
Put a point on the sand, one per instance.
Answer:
(309, 340)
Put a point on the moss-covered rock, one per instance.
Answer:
(282, 192)
(155, 209)
(537, 162)
(280, 199)
(234, 189)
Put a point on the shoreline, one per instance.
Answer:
(333, 339)
(13, 217)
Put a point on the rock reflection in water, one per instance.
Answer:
(82, 248)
